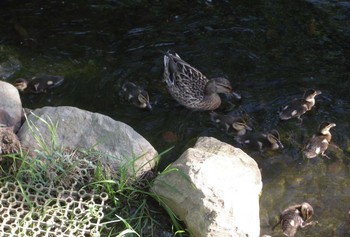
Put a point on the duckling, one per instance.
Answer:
(260, 141)
(136, 95)
(318, 143)
(298, 107)
(38, 84)
(190, 88)
(294, 217)
(232, 125)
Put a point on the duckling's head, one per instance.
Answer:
(241, 127)
(21, 84)
(274, 138)
(325, 127)
(310, 94)
(143, 100)
(306, 211)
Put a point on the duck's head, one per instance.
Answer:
(311, 94)
(21, 84)
(274, 138)
(220, 85)
(306, 211)
(325, 127)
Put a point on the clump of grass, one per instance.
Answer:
(134, 209)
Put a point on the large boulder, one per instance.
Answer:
(10, 106)
(214, 188)
(77, 128)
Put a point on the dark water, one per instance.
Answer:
(271, 51)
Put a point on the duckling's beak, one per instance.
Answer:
(318, 92)
(248, 128)
(238, 96)
(332, 125)
(280, 144)
(149, 106)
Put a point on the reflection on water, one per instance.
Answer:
(271, 52)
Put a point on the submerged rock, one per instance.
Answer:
(9, 67)
(215, 190)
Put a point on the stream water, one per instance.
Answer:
(271, 51)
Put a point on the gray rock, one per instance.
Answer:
(9, 67)
(10, 106)
(220, 196)
(78, 128)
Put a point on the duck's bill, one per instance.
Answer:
(248, 128)
(280, 144)
(149, 106)
(238, 96)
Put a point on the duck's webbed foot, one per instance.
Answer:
(325, 155)
(304, 224)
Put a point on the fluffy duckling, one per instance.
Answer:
(260, 141)
(136, 95)
(294, 217)
(38, 84)
(190, 88)
(318, 143)
(298, 107)
(231, 124)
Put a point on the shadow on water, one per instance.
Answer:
(271, 52)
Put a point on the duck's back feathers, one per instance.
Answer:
(39, 84)
(185, 83)
(189, 87)
(135, 95)
(315, 146)
(294, 109)
(318, 143)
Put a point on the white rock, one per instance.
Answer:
(223, 198)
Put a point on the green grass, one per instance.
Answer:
(135, 210)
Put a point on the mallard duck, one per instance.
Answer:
(261, 140)
(294, 217)
(136, 95)
(298, 107)
(38, 84)
(318, 143)
(233, 125)
(190, 87)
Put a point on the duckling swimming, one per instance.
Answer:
(298, 107)
(38, 84)
(294, 217)
(318, 144)
(135, 95)
(232, 125)
(260, 141)
(190, 88)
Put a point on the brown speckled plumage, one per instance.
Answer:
(189, 87)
